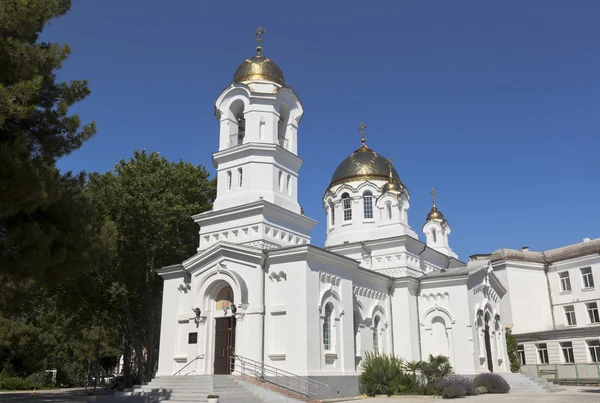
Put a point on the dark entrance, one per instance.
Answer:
(488, 345)
(224, 344)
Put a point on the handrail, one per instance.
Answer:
(303, 386)
(184, 367)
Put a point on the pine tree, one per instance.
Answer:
(45, 224)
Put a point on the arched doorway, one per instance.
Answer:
(224, 331)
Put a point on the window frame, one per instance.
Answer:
(240, 177)
(376, 335)
(368, 206)
(566, 348)
(229, 180)
(564, 281)
(587, 278)
(593, 350)
(347, 207)
(542, 353)
(593, 314)
(570, 315)
(327, 339)
(521, 354)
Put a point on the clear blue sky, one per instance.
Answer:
(495, 104)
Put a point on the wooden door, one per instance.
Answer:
(224, 344)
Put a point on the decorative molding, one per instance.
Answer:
(277, 357)
(278, 275)
(436, 296)
(184, 287)
(329, 278)
(262, 245)
(368, 293)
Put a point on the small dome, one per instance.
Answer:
(364, 164)
(392, 187)
(259, 68)
(435, 214)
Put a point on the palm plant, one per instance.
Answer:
(413, 367)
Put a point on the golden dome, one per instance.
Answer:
(364, 164)
(392, 187)
(258, 68)
(435, 214)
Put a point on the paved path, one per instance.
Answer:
(572, 394)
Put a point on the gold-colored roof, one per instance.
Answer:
(435, 214)
(364, 164)
(259, 68)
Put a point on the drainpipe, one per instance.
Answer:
(392, 317)
(418, 313)
(546, 268)
(263, 266)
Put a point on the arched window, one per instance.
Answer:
(434, 235)
(388, 208)
(241, 129)
(332, 212)
(228, 180)
(327, 327)
(347, 205)
(240, 177)
(376, 335)
(368, 204)
(289, 185)
(280, 181)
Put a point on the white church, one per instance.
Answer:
(257, 290)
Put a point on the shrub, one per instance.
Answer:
(212, 396)
(466, 383)
(437, 387)
(15, 384)
(493, 383)
(453, 391)
(482, 390)
(40, 379)
(381, 374)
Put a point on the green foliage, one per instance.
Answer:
(212, 396)
(387, 374)
(453, 391)
(45, 229)
(493, 383)
(15, 384)
(482, 390)
(511, 349)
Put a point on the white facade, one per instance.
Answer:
(256, 287)
(552, 306)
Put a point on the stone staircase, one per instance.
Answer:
(527, 383)
(192, 389)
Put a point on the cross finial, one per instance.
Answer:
(390, 160)
(433, 192)
(258, 35)
(361, 130)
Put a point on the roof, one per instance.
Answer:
(585, 248)
(471, 267)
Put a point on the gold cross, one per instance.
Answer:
(361, 130)
(390, 160)
(258, 35)
(433, 192)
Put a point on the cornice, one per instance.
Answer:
(172, 271)
(226, 249)
(255, 149)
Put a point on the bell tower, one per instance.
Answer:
(257, 161)
(259, 117)
(437, 230)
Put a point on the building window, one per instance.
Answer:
(433, 232)
(388, 207)
(521, 354)
(193, 338)
(542, 353)
(332, 210)
(594, 348)
(587, 277)
(347, 205)
(376, 335)
(570, 314)
(280, 181)
(327, 328)
(228, 180)
(567, 349)
(240, 177)
(289, 185)
(565, 281)
(368, 204)
(592, 309)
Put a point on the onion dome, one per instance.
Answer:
(435, 214)
(365, 164)
(259, 68)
